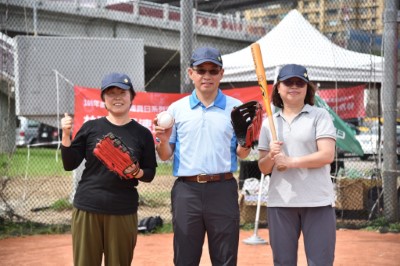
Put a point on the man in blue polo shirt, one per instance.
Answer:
(205, 150)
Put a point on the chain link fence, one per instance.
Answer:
(48, 47)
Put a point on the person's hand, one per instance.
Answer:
(66, 124)
(283, 161)
(162, 134)
(275, 147)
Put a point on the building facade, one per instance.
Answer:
(336, 19)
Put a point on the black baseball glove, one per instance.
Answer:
(246, 120)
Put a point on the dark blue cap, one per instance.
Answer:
(116, 80)
(291, 71)
(206, 54)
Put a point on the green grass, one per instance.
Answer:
(43, 162)
(382, 225)
(18, 229)
(38, 162)
(61, 205)
(164, 168)
(165, 229)
(155, 199)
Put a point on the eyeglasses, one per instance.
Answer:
(202, 71)
(290, 82)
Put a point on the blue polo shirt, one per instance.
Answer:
(205, 142)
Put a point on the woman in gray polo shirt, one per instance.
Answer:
(301, 198)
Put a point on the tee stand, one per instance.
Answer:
(255, 239)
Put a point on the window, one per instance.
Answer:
(331, 12)
(332, 23)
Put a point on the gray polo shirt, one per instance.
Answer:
(300, 187)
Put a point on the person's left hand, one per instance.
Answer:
(283, 161)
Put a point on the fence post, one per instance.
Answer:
(186, 44)
(165, 13)
(220, 19)
(136, 7)
(389, 103)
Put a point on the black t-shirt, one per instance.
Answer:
(100, 190)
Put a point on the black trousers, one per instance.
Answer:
(200, 208)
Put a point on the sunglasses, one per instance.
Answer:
(202, 71)
(298, 83)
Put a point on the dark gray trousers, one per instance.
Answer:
(210, 208)
(318, 225)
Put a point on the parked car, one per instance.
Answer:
(31, 132)
(26, 131)
(398, 143)
(371, 143)
(47, 134)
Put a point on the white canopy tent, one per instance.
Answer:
(295, 40)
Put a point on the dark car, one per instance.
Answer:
(398, 142)
(48, 135)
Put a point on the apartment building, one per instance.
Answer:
(334, 18)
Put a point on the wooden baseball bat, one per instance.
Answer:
(262, 82)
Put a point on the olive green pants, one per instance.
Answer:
(96, 234)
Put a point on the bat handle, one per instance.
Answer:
(280, 168)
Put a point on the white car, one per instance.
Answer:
(26, 131)
(369, 141)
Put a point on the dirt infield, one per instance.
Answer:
(352, 248)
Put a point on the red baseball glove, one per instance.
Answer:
(246, 120)
(115, 155)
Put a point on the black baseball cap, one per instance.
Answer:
(293, 70)
(206, 54)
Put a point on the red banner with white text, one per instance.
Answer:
(146, 105)
(346, 102)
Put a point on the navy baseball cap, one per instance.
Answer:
(116, 80)
(206, 54)
(291, 71)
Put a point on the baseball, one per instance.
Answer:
(165, 119)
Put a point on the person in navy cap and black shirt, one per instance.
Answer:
(104, 218)
(204, 147)
(301, 198)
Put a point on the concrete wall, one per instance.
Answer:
(47, 68)
(7, 119)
